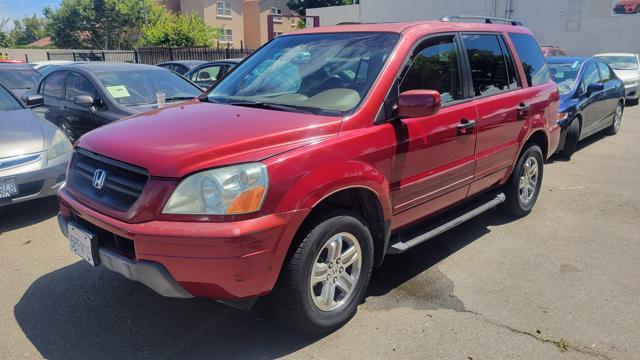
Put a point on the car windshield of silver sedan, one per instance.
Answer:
(565, 75)
(8, 102)
(621, 62)
(19, 78)
(131, 88)
(324, 74)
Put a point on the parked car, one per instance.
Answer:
(548, 51)
(19, 78)
(627, 7)
(314, 158)
(45, 67)
(207, 74)
(83, 96)
(33, 152)
(591, 99)
(181, 67)
(627, 68)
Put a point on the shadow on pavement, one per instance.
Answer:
(80, 312)
(27, 213)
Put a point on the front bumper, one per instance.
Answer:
(37, 180)
(225, 261)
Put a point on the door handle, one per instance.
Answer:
(523, 111)
(466, 126)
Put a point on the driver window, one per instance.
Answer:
(435, 67)
(590, 76)
(210, 73)
(79, 85)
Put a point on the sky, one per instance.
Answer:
(16, 9)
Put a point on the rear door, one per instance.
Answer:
(52, 89)
(502, 108)
(434, 160)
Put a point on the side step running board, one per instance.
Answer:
(402, 246)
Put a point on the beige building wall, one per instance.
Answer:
(208, 10)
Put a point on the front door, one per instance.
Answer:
(81, 118)
(434, 160)
(593, 109)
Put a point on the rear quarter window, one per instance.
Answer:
(533, 63)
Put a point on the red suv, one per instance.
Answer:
(313, 159)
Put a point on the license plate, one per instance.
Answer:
(83, 244)
(8, 188)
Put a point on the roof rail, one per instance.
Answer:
(486, 19)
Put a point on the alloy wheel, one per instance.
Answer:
(335, 272)
(528, 180)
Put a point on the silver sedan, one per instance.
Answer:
(33, 152)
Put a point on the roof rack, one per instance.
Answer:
(486, 19)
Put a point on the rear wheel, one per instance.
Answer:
(327, 274)
(571, 139)
(617, 120)
(523, 187)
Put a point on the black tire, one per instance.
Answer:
(571, 139)
(616, 121)
(514, 204)
(292, 298)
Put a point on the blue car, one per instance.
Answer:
(591, 99)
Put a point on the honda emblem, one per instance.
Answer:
(99, 177)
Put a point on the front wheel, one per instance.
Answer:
(327, 274)
(525, 182)
(617, 120)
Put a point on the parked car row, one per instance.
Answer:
(326, 150)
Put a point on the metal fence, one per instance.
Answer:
(152, 55)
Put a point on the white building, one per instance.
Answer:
(582, 27)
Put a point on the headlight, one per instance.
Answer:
(60, 145)
(238, 189)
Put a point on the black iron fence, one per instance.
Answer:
(152, 55)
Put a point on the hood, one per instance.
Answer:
(627, 74)
(182, 139)
(20, 133)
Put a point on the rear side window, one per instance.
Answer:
(54, 84)
(209, 73)
(435, 67)
(605, 72)
(533, 63)
(488, 62)
(79, 85)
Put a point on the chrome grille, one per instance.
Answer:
(123, 183)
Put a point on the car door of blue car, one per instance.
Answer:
(592, 107)
(611, 94)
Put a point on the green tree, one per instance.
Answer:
(28, 30)
(102, 24)
(301, 6)
(179, 31)
(5, 39)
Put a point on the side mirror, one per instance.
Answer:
(418, 103)
(84, 100)
(34, 101)
(594, 88)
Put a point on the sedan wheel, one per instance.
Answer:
(617, 120)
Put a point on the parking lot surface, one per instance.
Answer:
(562, 283)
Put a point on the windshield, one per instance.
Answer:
(8, 102)
(19, 78)
(565, 75)
(324, 74)
(140, 87)
(621, 62)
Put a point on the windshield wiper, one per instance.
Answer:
(271, 106)
(178, 98)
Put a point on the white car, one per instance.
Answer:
(627, 68)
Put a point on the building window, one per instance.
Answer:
(226, 35)
(223, 8)
(276, 11)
